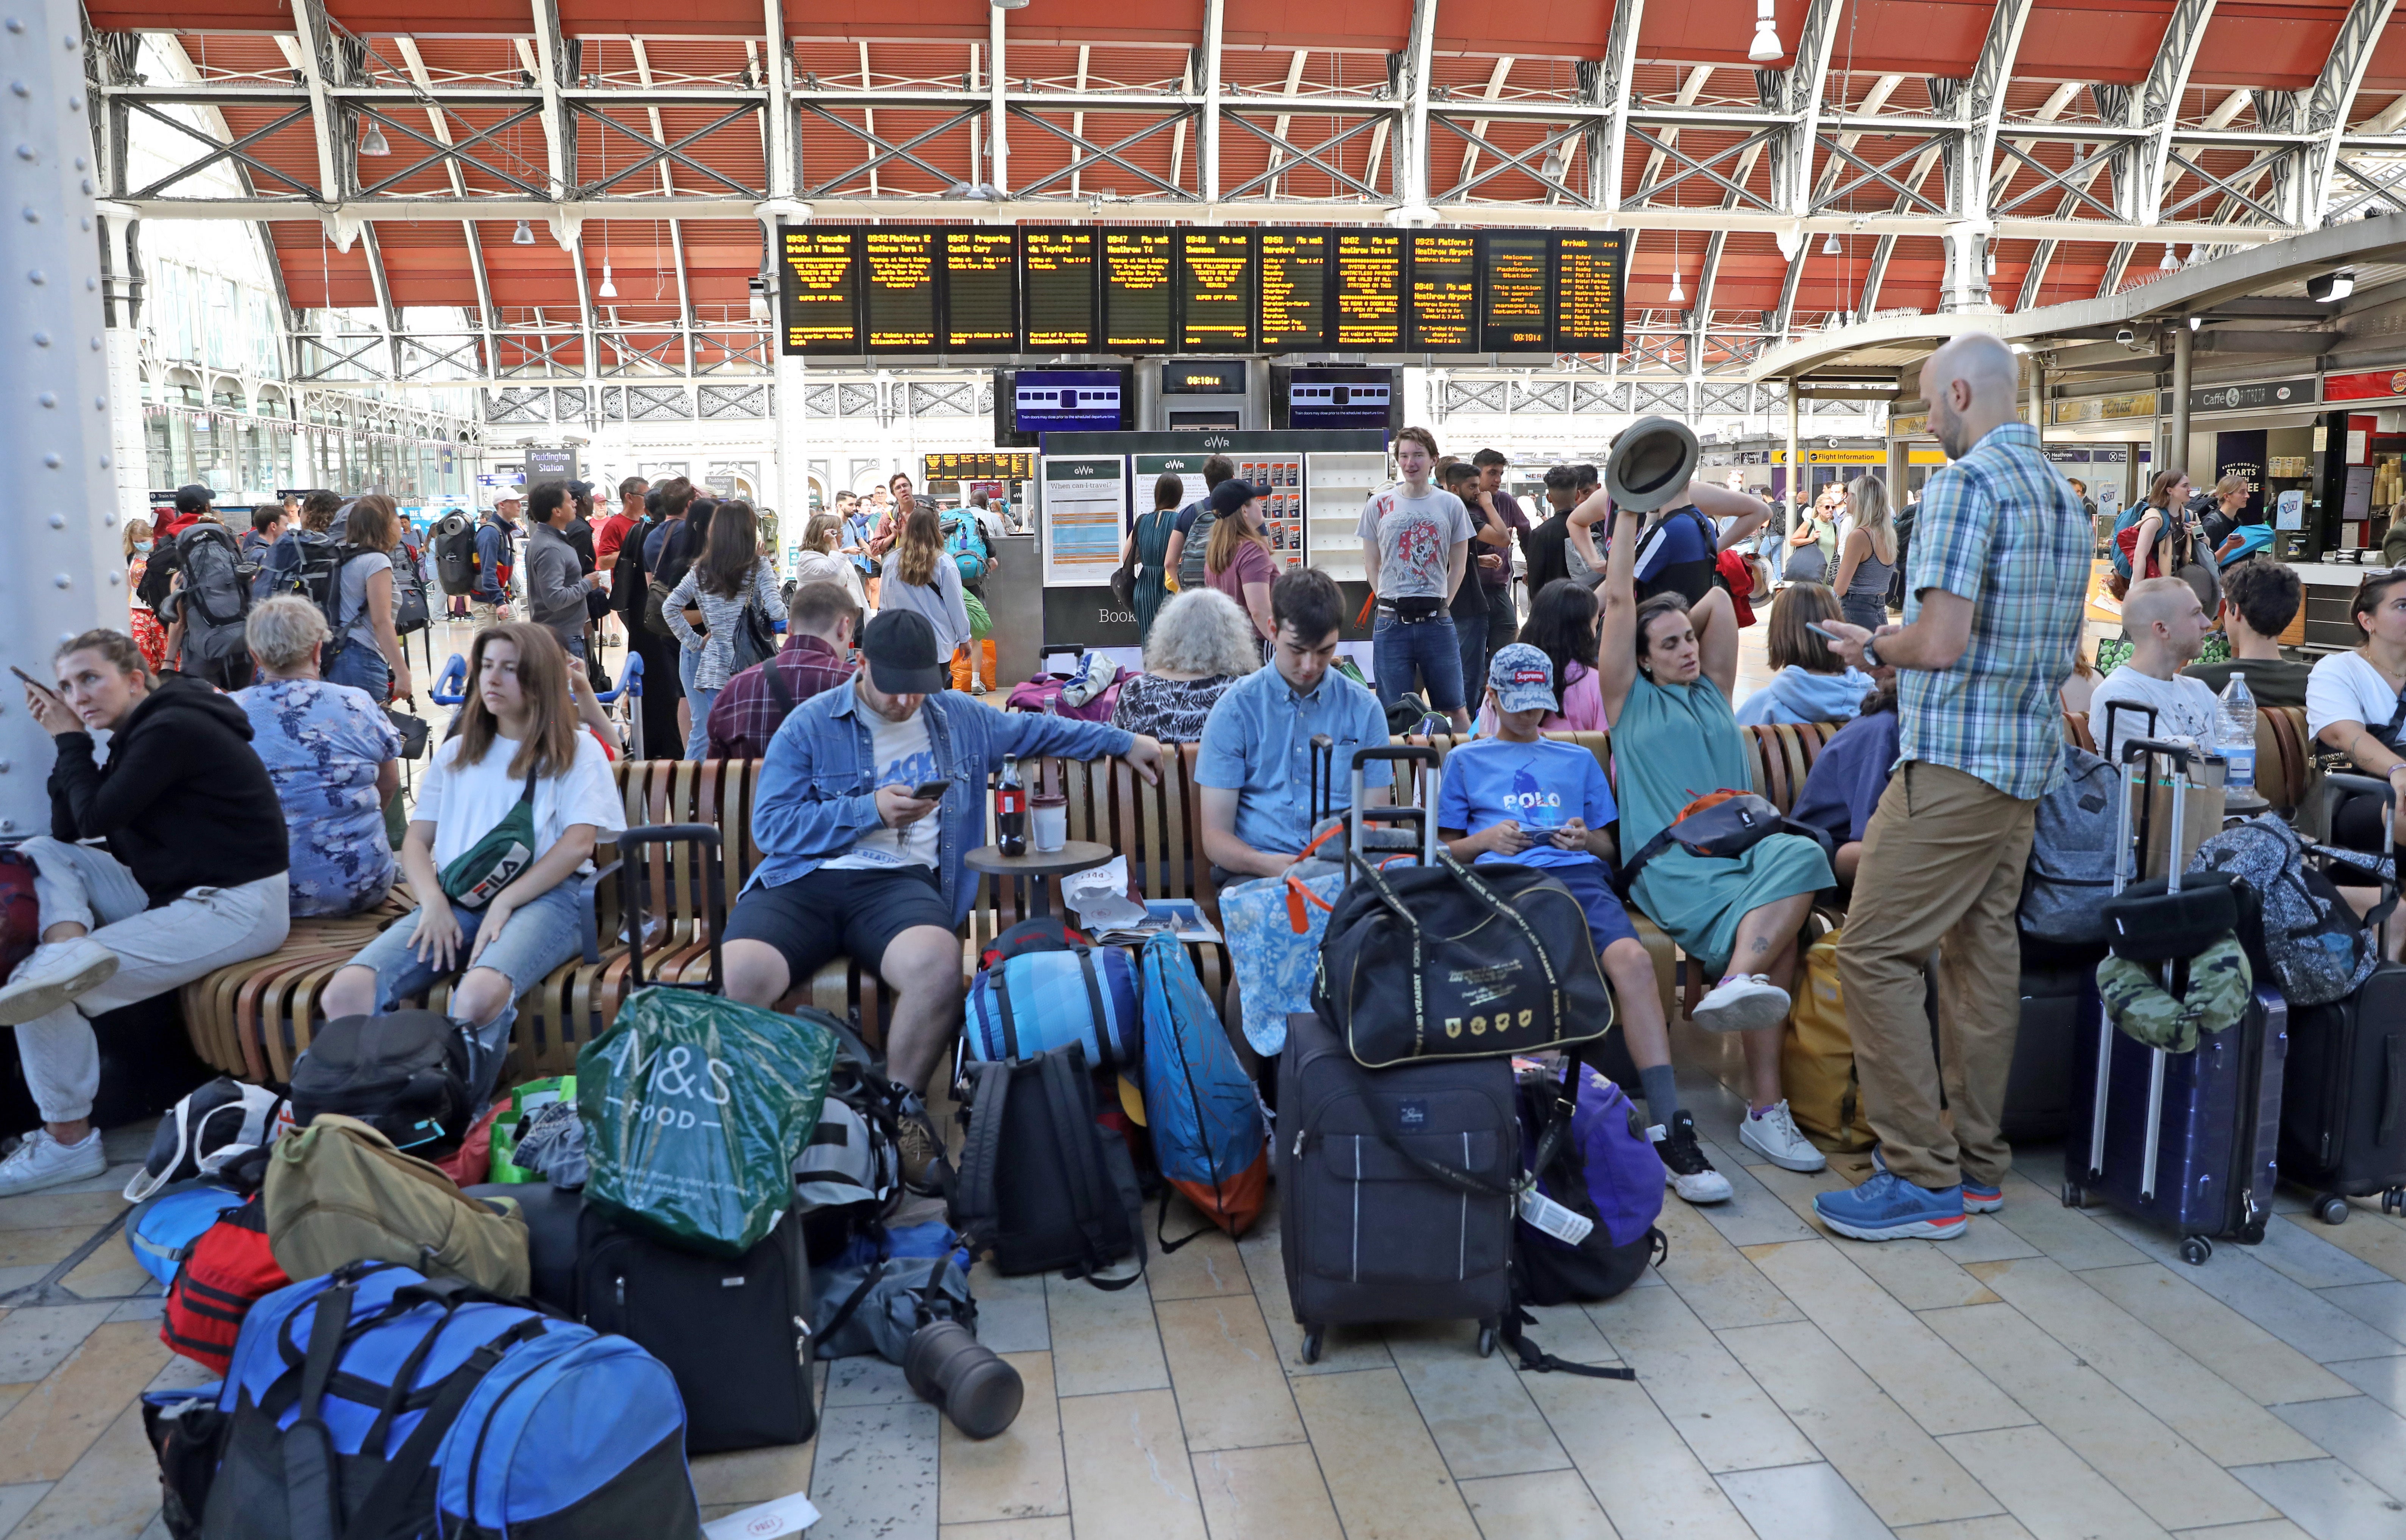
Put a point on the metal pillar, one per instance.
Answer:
(1800, 486)
(66, 576)
(2176, 453)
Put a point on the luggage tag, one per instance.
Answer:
(1544, 1214)
(785, 1516)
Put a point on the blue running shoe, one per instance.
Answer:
(1888, 1208)
(1976, 1199)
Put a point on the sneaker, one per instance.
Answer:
(1888, 1208)
(1741, 1002)
(53, 974)
(918, 1145)
(1976, 1199)
(41, 1161)
(1772, 1133)
(1684, 1165)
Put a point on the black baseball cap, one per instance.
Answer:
(193, 498)
(900, 649)
(1231, 495)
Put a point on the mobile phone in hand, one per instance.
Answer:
(46, 689)
(928, 791)
(1822, 631)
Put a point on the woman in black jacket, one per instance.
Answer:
(189, 877)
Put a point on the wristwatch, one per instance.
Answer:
(1871, 659)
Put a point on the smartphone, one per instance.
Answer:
(928, 791)
(1822, 631)
(46, 689)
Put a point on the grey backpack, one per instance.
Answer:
(214, 602)
(1191, 572)
(2071, 855)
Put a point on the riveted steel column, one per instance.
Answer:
(65, 575)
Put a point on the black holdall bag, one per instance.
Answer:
(1040, 1182)
(404, 1074)
(1438, 960)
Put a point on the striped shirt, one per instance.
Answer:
(2002, 529)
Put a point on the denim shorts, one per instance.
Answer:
(1397, 647)
(1591, 884)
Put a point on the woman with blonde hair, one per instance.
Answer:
(1867, 559)
(822, 559)
(148, 635)
(1200, 644)
(919, 576)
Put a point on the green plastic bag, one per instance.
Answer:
(530, 1097)
(695, 1108)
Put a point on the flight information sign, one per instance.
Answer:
(1138, 267)
(899, 289)
(1443, 314)
(1293, 290)
(981, 290)
(1215, 291)
(1516, 312)
(1587, 290)
(1369, 290)
(818, 287)
(1056, 290)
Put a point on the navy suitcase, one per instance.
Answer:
(2186, 1141)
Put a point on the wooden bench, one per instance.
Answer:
(2284, 753)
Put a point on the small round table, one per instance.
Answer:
(1034, 867)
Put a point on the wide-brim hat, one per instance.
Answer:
(1651, 464)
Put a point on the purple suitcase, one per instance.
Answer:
(2186, 1142)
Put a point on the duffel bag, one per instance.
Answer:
(405, 1074)
(1441, 961)
(163, 1227)
(1200, 1108)
(337, 1193)
(1036, 1001)
(376, 1402)
(228, 1268)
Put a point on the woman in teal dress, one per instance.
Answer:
(1148, 546)
(1674, 739)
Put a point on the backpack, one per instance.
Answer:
(404, 1074)
(849, 1174)
(2318, 949)
(1192, 574)
(1604, 1172)
(409, 608)
(317, 576)
(163, 1227)
(223, 1271)
(338, 1193)
(1044, 933)
(628, 579)
(1040, 1181)
(2071, 852)
(1199, 1104)
(965, 543)
(215, 599)
(454, 539)
(1038, 1001)
(377, 1401)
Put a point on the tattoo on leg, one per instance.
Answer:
(1762, 945)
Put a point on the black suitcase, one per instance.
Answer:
(735, 1335)
(1370, 1235)
(2343, 1122)
(551, 1214)
(2038, 1085)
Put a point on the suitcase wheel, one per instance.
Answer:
(2195, 1250)
(2393, 1201)
(1311, 1343)
(2331, 1209)
(2074, 1197)
(1486, 1339)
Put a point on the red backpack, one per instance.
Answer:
(227, 1270)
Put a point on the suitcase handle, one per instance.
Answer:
(630, 893)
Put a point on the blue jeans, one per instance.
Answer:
(688, 660)
(697, 741)
(536, 939)
(361, 666)
(1429, 645)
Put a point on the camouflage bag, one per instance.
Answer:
(2219, 986)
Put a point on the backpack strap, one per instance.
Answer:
(384, 1508)
(998, 994)
(1094, 994)
(975, 1206)
(1088, 1182)
(312, 1477)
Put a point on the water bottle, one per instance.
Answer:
(2238, 732)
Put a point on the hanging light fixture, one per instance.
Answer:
(1829, 246)
(2170, 261)
(1766, 35)
(523, 235)
(372, 140)
(608, 290)
(1678, 294)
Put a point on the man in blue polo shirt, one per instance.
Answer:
(1254, 764)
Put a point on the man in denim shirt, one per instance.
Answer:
(852, 864)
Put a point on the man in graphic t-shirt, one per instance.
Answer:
(1415, 548)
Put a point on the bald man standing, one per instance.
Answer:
(1995, 585)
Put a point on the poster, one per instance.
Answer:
(1085, 514)
(2290, 510)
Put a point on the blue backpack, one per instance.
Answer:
(1036, 1001)
(965, 541)
(1606, 1172)
(1198, 1103)
(376, 1402)
(161, 1229)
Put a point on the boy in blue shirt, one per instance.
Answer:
(1539, 802)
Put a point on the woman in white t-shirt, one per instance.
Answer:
(504, 824)
(2354, 702)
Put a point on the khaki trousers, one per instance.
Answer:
(1942, 866)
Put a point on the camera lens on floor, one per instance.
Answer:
(946, 1363)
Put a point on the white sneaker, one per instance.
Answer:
(1742, 1002)
(1772, 1133)
(1684, 1165)
(53, 974)
(42, 1162)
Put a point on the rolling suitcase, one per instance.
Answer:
(2181, 1141)
(2057, 996)
(2343, 1118)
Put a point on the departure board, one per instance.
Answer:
(818, 289)
(1138, 267)
(1215, 291)
(1443, 314)
(1294, 291)
(1587, 290)
(981, 290)
(897, 289)
(1515, 314)
(1056, 291)
(1369, 289)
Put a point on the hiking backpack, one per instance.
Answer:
(965, 543)
(2319, 950)
(410, 611)
(2072, 854)
(1604, 1172)
(850, 1173)
(1192, 571)
(1199, 1104)
(404, 1073)
(315, 574)
(454, 539)
(214, 600)
(339, 1191)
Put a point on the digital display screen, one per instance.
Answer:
(1057, 290)
(1587, 289)
(1339, 397)
(981, 290)
(1294, 291)
(1137, 289)
(899, 289)
(1369, 289)
(1215, 291)
(1004, 466)
(1064, 401)
(818, 290)
(1443, 316)
(1516, 315)
(1181, 379)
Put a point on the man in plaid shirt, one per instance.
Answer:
(1996, 582)
(820, 620)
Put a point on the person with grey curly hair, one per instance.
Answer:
(1200, 643)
